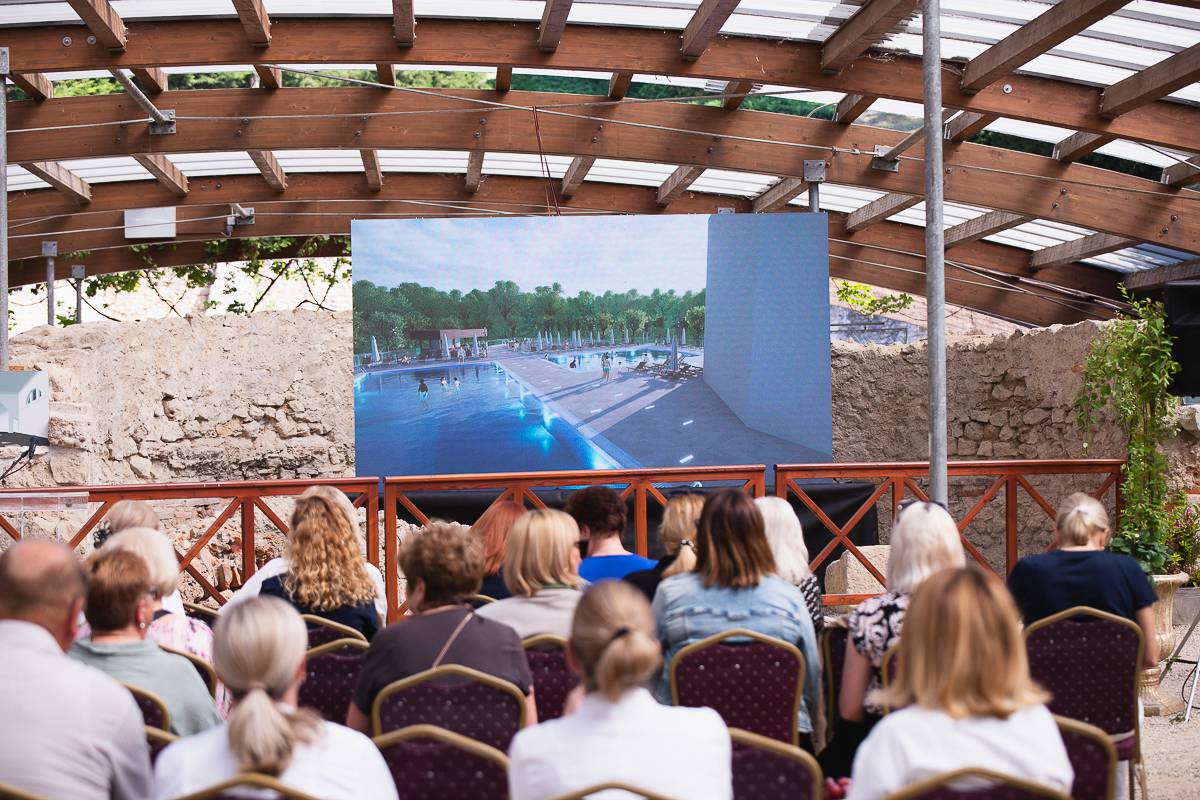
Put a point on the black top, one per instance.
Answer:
(648, 579)
(411, 645)
(1051, 582)
(493, 586)
(362, 617)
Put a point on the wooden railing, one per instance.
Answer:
(900, 478)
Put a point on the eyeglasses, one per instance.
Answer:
(913, 501)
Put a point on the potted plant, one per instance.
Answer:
(1129, 370)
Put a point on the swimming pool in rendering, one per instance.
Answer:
(488, 423)
(625, 357)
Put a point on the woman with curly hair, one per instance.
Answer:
(325, 571)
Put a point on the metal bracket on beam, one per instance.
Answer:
(814, 176)
(167, 125)
(162, 121)
(882, 162)
(238, 216)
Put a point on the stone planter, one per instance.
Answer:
(1164, 628)
(1187, 603)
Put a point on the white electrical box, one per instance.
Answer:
(150, 223)
(24, 407)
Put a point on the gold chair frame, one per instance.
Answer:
(830, 691)
(249, 779)
(321, 649)
(8, 792)
(936, 781)
(757, 741)
(1138, 762)
(743, 633)
(345, 630)
(207, 671)
(159, 736)
(542, 640)
(162, 705)
(582, 794)
(451, 738)
(1101, 738)
(480, 598)
(446, 671)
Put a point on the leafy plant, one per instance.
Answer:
(1183, 535)
(1129, 369)
(860, 298)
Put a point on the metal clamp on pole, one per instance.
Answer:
(162, 120)
(814, 176)
(78, 273)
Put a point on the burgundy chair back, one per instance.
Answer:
(428, 763)
(330, 673)
(154, 710)
(764, 769)
(833, 659)
(459, 699)
(976, 784)
(1093, 757)
(754, 682)
(553, 680)
(322, 631)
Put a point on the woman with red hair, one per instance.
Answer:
(492, 529)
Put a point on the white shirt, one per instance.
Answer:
(68, 730)
(916, 743)
(549, 611)
(672, 751)
(341, 764)
(278, 566)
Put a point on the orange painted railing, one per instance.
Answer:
(901, 477)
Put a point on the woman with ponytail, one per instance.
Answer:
(1080, 572)
(619, 730)
(678, 537)
(259, 655)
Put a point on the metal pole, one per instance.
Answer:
(814, 197)
(50, 250)
(139, 96)
(3, 208)
(935, 262)
(79, 273)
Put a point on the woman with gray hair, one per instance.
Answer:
(786, 538)
(259, 654)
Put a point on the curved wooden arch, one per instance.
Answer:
(250, 119)
(298, 40)
(886, 255)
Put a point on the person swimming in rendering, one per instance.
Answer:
(442, 382)
(457, 384)
(606, 366)
(574, 363)
(422, 389)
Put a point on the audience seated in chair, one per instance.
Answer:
(1080, 572)
(786, 537)
(733, 587)
(677, 534)
(119, 601)
(619, 733)
(601, 513)
(126, 514)
(259, 653)
(924, 540)
(277, 567)
(492, 528)
(964, 693)
(541, 570)
(69, 731)
(443, 566)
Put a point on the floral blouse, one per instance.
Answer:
(874, 629)
(810, 587)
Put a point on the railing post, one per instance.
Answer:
(391, 572)
(640, 524)
(372, 506)
(1010, 524)
(248, 553)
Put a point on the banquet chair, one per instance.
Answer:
(330, 673)
(553, 680)
(766, 769)
(432, 763)
(479, 600)
(203, 613)
(460, 699)
(629, 791)
(833, 641)
(1093, 758)
(249, 784)
(157, 740)
(1090, 662)
(323, 631)
(13, 793)
(153, 708)
(754, 682)
(207, 673)
(976, 784)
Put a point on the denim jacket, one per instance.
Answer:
(686, 611)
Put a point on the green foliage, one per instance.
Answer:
(1183, 536)
(693, 318)
(1129, 369)
(860, 298)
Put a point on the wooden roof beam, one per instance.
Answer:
(1150, 280)
(1096, 244)
(1080, 144)
(738, 91)
(255, 21)
(1148, 85)
(504, 77)
(103, 21)
(152, 79)
(34, 84)
(164, 172)
(879, 210)
(269, 77)
(268, 165)
(372, 169)
(474, 170)
(404, 23)
(554, 22)
(780, 194)
(704, 26)
(677, 183)
(965, 124)
(385, 73)
(62, 179)
(618, 84)
(1046, 31)
(573, 177)
(975, 229)
(869, 25)
(1182, 173)
(851, 107)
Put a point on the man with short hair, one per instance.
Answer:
(600, 514)
(68, 730)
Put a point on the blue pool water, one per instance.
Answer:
(626, 356)
(489, 424)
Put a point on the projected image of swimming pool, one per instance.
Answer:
(474, 414)
(624, 357)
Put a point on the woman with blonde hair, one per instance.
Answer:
(786, 538)
(617, 734)
(259, 653)
(924, 540)
(493, 528)
(677, 533)
(541, 571)
(325, 572)
(126, 514)
(964, 694)
(1080, 572)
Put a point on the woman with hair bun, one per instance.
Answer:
(259, 655)
(1080, 572)
(617, 734)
